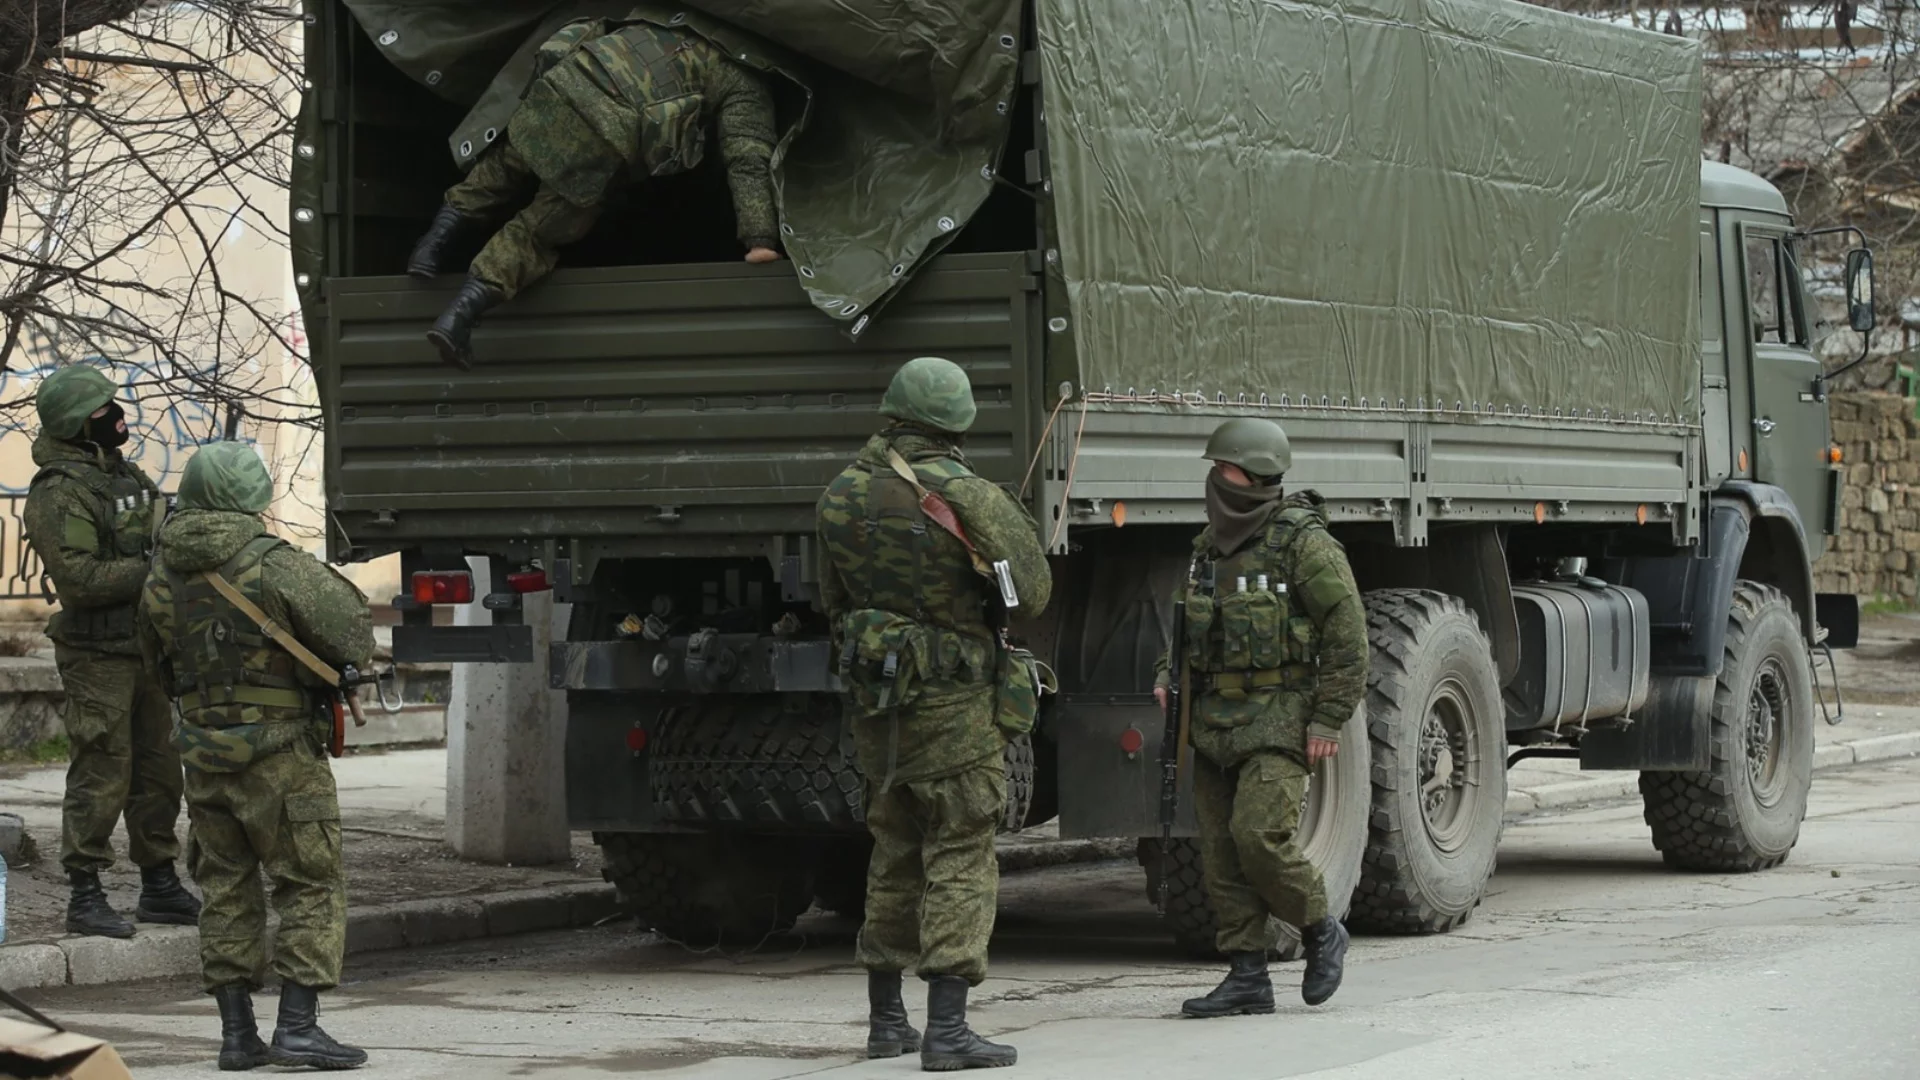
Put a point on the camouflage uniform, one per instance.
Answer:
(1269, 668)
(260, 794)
(615, 101)
(89, 516)
(896, 585)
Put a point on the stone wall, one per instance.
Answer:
(1877, 553)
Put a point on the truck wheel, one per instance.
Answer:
(711, 888)
(748, 758)
(1438, 734)
(1744, 812)
(1334, 830)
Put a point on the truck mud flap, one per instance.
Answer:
(1110, 767)
(1674, 731)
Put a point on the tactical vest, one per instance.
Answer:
(220, 668)
(1242, 636)
(114, 492)
(916, 609)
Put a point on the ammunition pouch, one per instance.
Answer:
(87, 626)
(887, 659)
(1236, 685)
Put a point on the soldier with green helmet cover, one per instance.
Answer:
(614, 100)
(1275, 661)
(933, 694)
(89, 515)
(253, 729)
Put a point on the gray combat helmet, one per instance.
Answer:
(1259, 446)
(933, 392)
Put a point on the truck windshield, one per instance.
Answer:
(1774, 296)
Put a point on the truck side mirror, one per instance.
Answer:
(1860, 314)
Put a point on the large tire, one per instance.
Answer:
(1438, 733)
(1744, 812)
(740, 759)
(1018, 762)
(1334, 832)
(711, 888)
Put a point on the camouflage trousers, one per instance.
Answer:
(121, 762)
(934, 881)
(527, 247)
(278, 815)
(1250, 847)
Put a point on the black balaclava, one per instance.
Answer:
(106, 430)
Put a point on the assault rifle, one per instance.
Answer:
(1171, 742)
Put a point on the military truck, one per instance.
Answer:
(1552, 373)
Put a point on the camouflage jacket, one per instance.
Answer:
(89, 517)
(893, 581)
(1268, 667)
(628, 98)
(318, 606)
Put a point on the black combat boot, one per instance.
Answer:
(88, 911)
(240, 1045)
(889, 1035)
(1326, 943)
(164, 900)
(449, 227)
(950, 1044)
(453, 330)
(298, 1041)
(1245, 990)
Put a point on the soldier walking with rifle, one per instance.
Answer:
(243, 629)
(1267, 665)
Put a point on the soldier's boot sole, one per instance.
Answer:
(121, 929)
(165, 918)
(957, 1062)
(308, 1060)
(245, 1060)
(458, 354)
(1252, 1008)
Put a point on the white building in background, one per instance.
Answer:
(246, 222)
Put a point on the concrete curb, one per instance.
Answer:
(163, 952)
(1627, 785)
(1039, 854)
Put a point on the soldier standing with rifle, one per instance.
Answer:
(231, 620)
(920, 558)
(1274, 659)
(89, 515)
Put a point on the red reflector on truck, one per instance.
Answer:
(636, 739)
(451, 587)
(528, 581)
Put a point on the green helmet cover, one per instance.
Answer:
(1259, 446)
(68, 396)
(226, 476)
(931, 391)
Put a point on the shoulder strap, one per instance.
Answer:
(1289, 522)
(95, 480)
(270, 628)
(937, 509)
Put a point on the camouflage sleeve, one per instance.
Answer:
(743, 113)
(1002, 529)
(325, 612)
(60, 524)
(1332, 601)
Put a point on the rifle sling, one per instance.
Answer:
(272, 629)
(937, 509)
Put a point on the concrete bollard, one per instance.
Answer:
(506, 746)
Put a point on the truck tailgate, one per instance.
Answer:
(652, 404)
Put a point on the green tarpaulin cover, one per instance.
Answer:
(905, 122)
(1477, 202)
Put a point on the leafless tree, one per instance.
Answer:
(140, 144)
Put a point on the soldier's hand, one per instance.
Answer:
(762, 255)
(1319, 750)
(1160, 695)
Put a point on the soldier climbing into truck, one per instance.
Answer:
(615, 100)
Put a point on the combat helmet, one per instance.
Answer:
(931, 391)
(226, 476)
(1259, 446)
(70, 395)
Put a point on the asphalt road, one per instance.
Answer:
(1587, 960)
